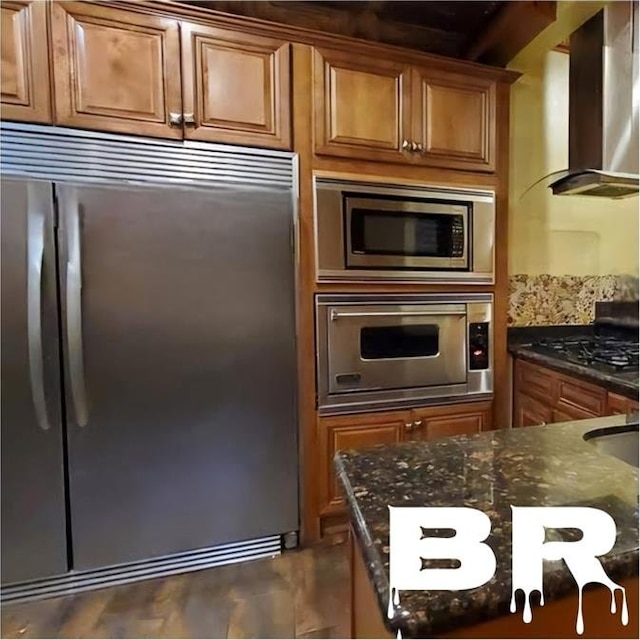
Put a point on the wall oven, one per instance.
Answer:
(386, 351)
(375, 232)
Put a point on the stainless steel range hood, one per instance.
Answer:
(603, 106)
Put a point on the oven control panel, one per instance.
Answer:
(478, 346)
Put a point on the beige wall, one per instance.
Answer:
(554, 234)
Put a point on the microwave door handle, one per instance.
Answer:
(336, 315)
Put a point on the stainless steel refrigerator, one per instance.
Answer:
(148, 353)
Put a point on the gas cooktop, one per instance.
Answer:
(618, 354)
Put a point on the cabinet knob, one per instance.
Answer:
(417, 147)
(417, 424)
(406, 145)
(189, 118)
(408, 426)
(175, 119)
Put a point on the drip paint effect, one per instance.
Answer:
(581, 556)
(394, 601)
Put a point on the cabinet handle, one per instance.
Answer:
(175, 119)
(408, 426)
(406, 145)
(188, 118)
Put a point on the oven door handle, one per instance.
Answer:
(336, 315)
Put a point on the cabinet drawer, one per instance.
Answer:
(582, 395)
(535, 381)
(565, 413)
(617, 404)
(433, 423)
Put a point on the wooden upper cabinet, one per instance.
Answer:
(236, 87)
(361, 106)
(454, 120)
(26, 92)
(115, 70)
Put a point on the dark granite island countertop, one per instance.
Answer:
(533, 466)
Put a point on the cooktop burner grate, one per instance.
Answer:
(617, 353)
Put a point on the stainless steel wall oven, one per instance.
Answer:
(375, 232)
(385, 351)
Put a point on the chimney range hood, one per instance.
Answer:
(603, 106)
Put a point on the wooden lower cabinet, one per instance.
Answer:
(544, 396)
(620, 404)
(557, 619)
(530, 412)
(359, 431)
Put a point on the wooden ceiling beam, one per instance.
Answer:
(364, 23)
(513, 28)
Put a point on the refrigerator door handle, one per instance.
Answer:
(71, 214)
(35, 260)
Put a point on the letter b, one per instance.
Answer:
(408, 548)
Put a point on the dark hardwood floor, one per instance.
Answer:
(300, 594)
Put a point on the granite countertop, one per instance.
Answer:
(519, 345)
(535, 466)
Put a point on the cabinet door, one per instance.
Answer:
(235, 87)
(536, 381)
(361, 106)
(352, 432)
(115, 70)
(433, 423)
(530, 412)
(454, 120)
(26, 92)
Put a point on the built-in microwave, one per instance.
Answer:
(376, 232)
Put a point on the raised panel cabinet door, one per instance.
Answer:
(352, 432)
(116, 70)
(361, 106)
(529, 412)
(26, 93)
(236, 87)
(454, 120)
(536, 381)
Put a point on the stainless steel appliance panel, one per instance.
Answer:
(331, 235)
(409, 366)
(33, 501)
(434, 351)
(179, 343)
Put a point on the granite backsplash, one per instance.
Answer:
(554, 300)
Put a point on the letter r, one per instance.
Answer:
(407, 548)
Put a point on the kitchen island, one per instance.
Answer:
(537, 466)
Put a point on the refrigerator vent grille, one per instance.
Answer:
(76, 582)
(60, 154)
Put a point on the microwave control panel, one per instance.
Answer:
(478, 346)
